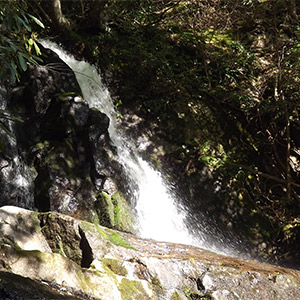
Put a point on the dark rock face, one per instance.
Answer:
(62, 142)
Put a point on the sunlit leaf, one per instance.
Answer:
(37, 49)
(30, 41)
(36, 20)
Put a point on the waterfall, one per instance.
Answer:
(159, 215)
(16, 179)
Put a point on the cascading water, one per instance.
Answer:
(159, 216)
(16, 180)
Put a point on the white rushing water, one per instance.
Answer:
(159, 216)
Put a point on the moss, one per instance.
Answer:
(115, 266)
(105, 210)
(122, 214)
(34, 223)
(131, 289)
(35, 220)
(66, 96)
(32, 254)
(156, 161)
(85, 284)
(108, 234)
(117, 240)
(175, 296)
(192, 294)
(70, 161)
(61, 248)
(157, 287)
(61, 236)
(92, 217)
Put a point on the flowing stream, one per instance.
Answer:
(159, 215)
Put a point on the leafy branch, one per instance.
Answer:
(18, 41)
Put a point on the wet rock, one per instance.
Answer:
(121, 266)
(61, 158)
(114, 212)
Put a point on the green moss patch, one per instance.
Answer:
(114, 212)
(110, 235)
(175, 296)
(122, 215)
(131, 289)
(117, 240)
(115, 266)
(105, 210)
(157, 286)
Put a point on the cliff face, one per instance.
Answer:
(54, 256)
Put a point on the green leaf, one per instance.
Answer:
(13, 70)
(36, 59)
(6, 129)
(22, 62)
(28, 28)
(5, 116)
(37, 49)
(37, 21)
(30, 42)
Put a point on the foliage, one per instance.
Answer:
(18, 40)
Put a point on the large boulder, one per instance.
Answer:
(86, 259)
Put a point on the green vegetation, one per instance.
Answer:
(157, 286)
(17, 39)
(175, 296)
(131, 289)
(193, 294)
(116, 239)
(115, 266)
(114, 212)
(108, 234)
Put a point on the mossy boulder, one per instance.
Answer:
(62, 235)
(123, 219)
(114, 211)
(116, 265)
(105, 210)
